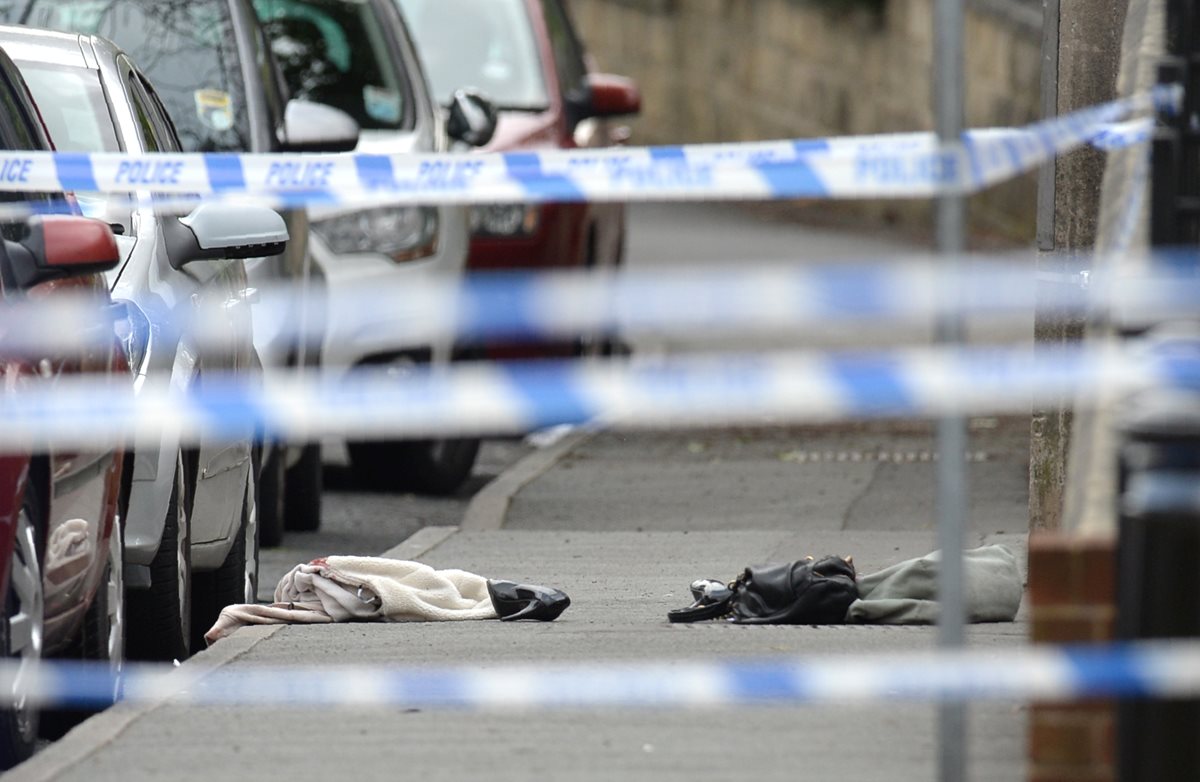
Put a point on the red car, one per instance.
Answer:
(526, 57)
(60, 512)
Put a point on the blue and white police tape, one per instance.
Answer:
(497, 399)
(1143, 670)
(730, 300)
(904, 166)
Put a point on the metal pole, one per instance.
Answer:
(949, 92)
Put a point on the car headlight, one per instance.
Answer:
(403, 233)
(505, 220)
(133, 330)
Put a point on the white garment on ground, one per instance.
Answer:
(349, 589)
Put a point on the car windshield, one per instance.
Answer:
(72, 104)
(185, 47)
(485, 44)
(334, 52)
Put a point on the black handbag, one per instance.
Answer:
(805, 592)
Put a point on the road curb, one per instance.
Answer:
(420, 543)
(98, 731)
(489, 507)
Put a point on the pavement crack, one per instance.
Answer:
(853, 504)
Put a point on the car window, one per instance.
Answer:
(141, 112)
(486, 44)
(168, 137)
(335, 52)
(20, 128)
(17, 127)
(73, 106)
(187, 49)
(275, 89)
(568, 54)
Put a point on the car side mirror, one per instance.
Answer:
(614, 96)
(55, 247)
(604, 95)
(315, 127)
(472, 118)
(215, 232)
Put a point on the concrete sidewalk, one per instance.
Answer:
(624, 568)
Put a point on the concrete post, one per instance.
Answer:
(1081, 55)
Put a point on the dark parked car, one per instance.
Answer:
(526, 57)
(61, 511)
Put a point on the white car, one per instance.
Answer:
(356, 55)
(214, 75)
(191, 539)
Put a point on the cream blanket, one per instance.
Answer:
(362, 589)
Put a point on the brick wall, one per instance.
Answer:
(735, 70)
(1072, 595)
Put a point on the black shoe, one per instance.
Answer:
(526, 601)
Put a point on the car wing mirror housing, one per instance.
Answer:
(315, 127)
(472, 118)
(55, 247)
(225, 231)
(605, 95)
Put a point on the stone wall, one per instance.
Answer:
(735, 70)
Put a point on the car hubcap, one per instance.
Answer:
(251, 532)
(116, 597)
(26, 624)
(182, 574)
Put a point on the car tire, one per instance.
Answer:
(21, 631)
(302, 492)
(160, 617)
(435, 467)
(236, 580)
(273, 486)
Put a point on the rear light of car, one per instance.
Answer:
(505, 220)
(403, 233)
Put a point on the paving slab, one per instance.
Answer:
(850, 477)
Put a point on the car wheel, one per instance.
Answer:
(272, 494)
(437, 467)
(160, 617)
(104, 625)
(302, 491)
(21, 634)
(101, 636)
(236, 580)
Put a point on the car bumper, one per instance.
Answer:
(356, 333)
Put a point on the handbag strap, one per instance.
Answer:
(713, 600)
(700, 613)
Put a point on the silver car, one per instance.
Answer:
(357, 56)
(191, 543)
(216, 77)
